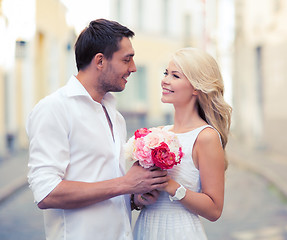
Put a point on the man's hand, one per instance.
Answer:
(146, 198)
(144, 180)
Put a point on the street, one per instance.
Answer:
(253, 210)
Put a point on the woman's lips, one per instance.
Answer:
(166, 91)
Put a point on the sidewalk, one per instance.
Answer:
(13, 174)
(272, 166)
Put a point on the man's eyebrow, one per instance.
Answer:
(130, 55)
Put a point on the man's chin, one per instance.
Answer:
(118, 89)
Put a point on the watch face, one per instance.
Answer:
(181, 193)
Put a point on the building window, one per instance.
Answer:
(136, 91)
(140, 14)
(259, 76)
(276, 5)
(20, 51)
(141, 84)
(165, 16)
(187, 30)
(118, 10)
(132, 102)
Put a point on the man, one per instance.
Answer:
(76, 165)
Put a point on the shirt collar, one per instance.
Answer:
(75, 88)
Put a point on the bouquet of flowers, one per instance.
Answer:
(154, 146)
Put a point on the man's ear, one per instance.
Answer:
(98, 60)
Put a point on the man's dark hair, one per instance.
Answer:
(101, 36)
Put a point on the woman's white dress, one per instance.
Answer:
(166, 220)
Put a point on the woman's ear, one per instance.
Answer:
(195, 92)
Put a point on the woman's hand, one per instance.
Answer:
(171, 187)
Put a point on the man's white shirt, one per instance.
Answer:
(70, 139)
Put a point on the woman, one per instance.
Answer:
(193, 84)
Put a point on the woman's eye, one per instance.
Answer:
(165, 73)
(176, 76)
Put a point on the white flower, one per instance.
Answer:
(129, 148)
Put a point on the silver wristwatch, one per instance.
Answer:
(179, 194)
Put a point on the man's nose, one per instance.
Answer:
(133, 67)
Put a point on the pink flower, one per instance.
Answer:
(142, 132)
(152, 140)
(154, 146)
(147, 162)
(142, 153)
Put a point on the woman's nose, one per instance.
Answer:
(165, 80)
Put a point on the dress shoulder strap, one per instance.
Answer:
(198, 130)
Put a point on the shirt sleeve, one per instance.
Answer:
(47, 129)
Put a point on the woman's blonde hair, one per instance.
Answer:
(204, 75)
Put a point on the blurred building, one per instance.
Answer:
(36, 58)
(162, 27)
(38, 52)
(260, 73)
(2, 130)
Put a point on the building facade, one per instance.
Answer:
(161, 27)
(260, 77)
(41, 58)
(38, 57)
